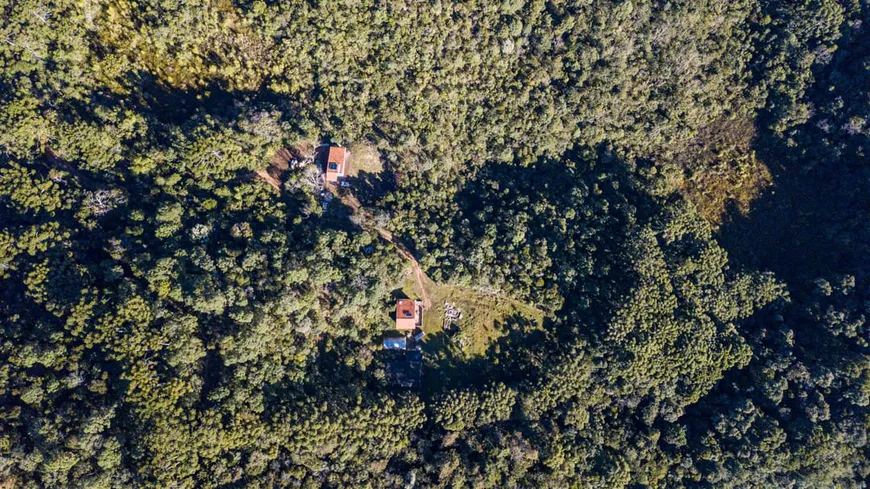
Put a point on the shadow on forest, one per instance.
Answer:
(811, 222)
(370, 187)
(510, 358)
(447, 367)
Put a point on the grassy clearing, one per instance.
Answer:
(458, 357)
(364, 157)
(483, 314)
(723, 173)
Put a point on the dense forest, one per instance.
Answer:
(657, 214)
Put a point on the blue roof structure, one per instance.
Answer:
(399, 343)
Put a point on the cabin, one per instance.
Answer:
(409, 314)
(335, 163)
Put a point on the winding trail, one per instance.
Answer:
(351, 201)
(348, 199)
(419, 274)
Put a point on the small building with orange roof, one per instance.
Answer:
(335, 163)
(409, 314)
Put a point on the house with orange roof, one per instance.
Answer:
(409, 314)
(335, 164)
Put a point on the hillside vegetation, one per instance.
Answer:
(653, 215)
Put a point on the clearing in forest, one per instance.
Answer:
(300, 153)
(364, 158)
(484, 315)
(458, 351)
(722, 174)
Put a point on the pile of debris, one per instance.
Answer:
(404, 369)
(325, 198)
(451, 315)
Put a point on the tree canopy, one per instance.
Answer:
(677, 190)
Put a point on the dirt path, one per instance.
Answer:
(419, 274)
(278, 164)
(264, 174)
(351, 201)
